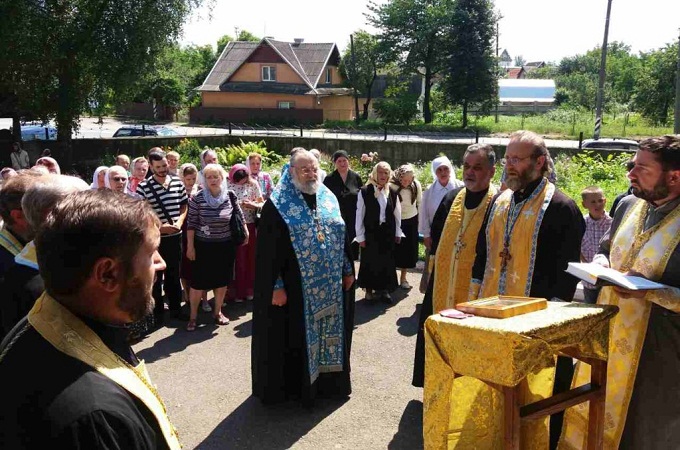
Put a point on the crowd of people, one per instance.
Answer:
(82, 267)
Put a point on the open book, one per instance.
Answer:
(602, 276)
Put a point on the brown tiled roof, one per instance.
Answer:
(307, 59)
(515, 72)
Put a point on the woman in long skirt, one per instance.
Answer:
(378, 229)
(410, 193)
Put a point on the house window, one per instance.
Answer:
(329, 75)
(268, 73)
(286, 105)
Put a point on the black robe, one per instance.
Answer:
(50, 400)
(653, 420)
(346, 193)
(278, 350)
(558, 243)
(20, 289)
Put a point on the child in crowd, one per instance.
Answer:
(173, 163)
(597, 224)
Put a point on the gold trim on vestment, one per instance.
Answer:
(646, 252)
(71, 336)
(456, 252)
(9, 242)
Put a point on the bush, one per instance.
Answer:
(398, 110)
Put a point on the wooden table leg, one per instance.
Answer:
(511, 420)
(598, 376)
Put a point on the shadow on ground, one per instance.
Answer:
(408, 326)
(367, 310)
(253, 425)
(410, 433)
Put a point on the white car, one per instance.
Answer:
(31, 132)
(611, 144)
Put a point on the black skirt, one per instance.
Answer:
(377, 270)
(406, 251)
(214, 264)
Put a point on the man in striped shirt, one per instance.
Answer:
(168, 198)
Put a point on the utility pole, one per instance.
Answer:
(676, 128)
(498, 96)
(354, 79)
(603, 64)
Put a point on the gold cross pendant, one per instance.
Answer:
(505, 257)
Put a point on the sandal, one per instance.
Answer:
(191, 326)
(221, 320)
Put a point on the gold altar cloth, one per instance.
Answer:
(504, 352)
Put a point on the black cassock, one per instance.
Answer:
(346, 193)
(279, 352)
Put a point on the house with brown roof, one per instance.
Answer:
(515, 73)
(275, 82)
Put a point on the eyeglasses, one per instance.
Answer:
(514, 160)
(119, 179)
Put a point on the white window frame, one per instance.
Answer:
(268, 71)
(288, 104)
(329, 75)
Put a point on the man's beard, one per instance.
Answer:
(306, 187)
(136, 299)
(658, 192)
(522, 179)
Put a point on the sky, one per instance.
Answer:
(538, 30)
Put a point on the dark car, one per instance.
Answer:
(138, 130)
(611, 144)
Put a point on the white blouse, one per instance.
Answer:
(410, 209)
(432, 197)
(382, 201)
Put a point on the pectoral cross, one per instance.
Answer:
(505, 257)
(460, 245)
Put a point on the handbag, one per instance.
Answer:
(236, 223)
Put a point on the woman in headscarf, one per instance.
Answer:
(345, 184)
(209, 242)
(50, 163)
(208, 156)
(378, 228)
(250, 200)
(99, 178)
(116, 179)
(410, 195)
(263, 179)
(444, 181)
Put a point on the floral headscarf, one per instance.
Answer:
(398, 175)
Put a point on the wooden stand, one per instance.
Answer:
(594, 392)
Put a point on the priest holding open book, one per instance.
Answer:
(643, 399)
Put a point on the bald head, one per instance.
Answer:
(45, 193)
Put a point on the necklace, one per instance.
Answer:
(459, 244)
(513, 215)
(319, 228)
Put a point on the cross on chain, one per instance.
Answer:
(460, 245)
(505, 257)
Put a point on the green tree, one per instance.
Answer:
(361, 72)
(655, 87)
(59, 58)
(241, 35)
(413, 33)
(520, 61)
(471, 77)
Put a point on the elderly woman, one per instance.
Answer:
(444, 181)
(99, 178)
(410, 195)
(208, 156)
(378, 228)
(254, 165)
(50, 163)
(116, 179)
(209, 242)
(250, 199)
(140, 167)
(345, 184)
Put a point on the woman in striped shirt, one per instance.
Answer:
(209, 243)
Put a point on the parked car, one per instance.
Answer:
(611, 144)
(138, 130)
(32, 132)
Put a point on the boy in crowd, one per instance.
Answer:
(597, 224)
(173, 163)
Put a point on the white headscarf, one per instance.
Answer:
(442, 161)
(107, 178)
(95, 183)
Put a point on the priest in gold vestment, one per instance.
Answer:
(531, 232)
(455, 228)
(68, 377)
(642, 408)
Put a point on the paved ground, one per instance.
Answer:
(204, 378)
